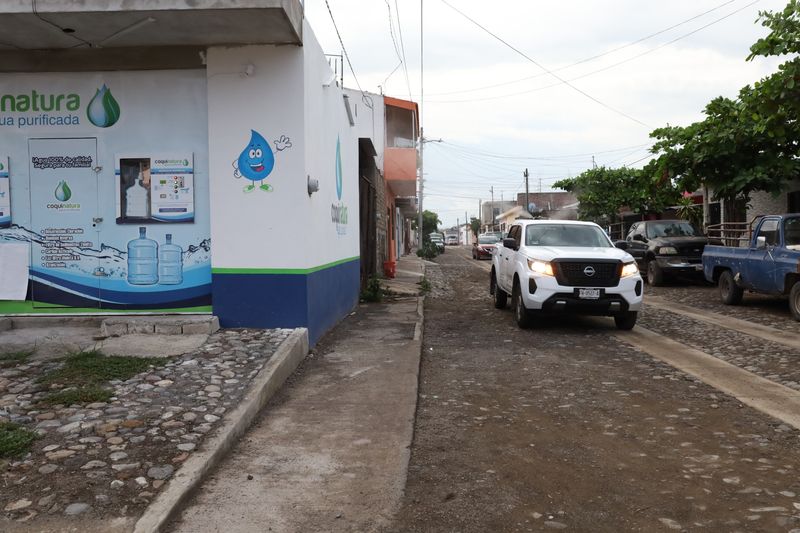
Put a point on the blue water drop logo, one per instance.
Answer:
(338, 169)
(255, 162)
(63, 192)
(103, 111)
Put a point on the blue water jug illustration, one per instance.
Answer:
(142, 260)
(170, 263)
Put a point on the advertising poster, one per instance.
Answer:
(100, 239)
(155, 189)
(5, 193)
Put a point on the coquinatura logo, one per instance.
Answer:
(103, 111)
(339, 210)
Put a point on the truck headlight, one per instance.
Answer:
(629, 269)
(667, 250)
(541, 267)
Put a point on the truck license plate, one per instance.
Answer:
(589, 294)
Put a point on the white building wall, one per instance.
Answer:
(326, 123)
(251, 229)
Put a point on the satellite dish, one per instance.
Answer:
(532, 207)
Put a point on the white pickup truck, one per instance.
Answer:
(565, 266)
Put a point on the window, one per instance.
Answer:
(791, 233)
(673, 228)
(578, 235)
(516, 234)
(769, 230)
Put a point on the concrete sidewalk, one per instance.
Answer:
(330, 453)
(409, 272)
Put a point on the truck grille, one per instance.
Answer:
(576, 273)
(695, 250)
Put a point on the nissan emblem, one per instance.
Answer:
(589, 271)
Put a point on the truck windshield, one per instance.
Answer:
(566, 235)
(791, 232)
(670, 228)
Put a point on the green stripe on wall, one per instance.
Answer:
(301, 271)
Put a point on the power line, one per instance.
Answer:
(402, 47)
(556, 76)
(597, 71)
(344, 50)
(592, 58)
(547, 158)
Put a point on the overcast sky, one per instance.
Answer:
(497, 112)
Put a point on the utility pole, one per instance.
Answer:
(540, 185)
(527, 202)
(467, 229)
(480, 215)
(594, 165)
(491, 190)
(421, 180)
(421, 131)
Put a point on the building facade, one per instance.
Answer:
(197, 157)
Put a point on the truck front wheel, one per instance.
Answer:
(521, 313)
(794, 300)
(655, 276)
(626, 321)
(500, 296)
(729, 291)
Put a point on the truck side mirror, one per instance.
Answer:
(638, 237)
(761, 243)
(510, 243)
(622, 245)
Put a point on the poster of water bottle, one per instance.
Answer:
(5, 194)
(155, 189)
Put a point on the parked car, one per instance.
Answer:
(666, 248)
(438, 240)
(565, 266)
(769, 265)
(451, 240)
(485, 246)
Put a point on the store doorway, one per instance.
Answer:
(66, 260)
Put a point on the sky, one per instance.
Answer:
(542, 85)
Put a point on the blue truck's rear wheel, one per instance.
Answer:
(794, 300)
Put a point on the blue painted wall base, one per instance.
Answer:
(317, 301)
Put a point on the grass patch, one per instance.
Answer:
(91, 368)
(14, 358)
(15, 440)
(424, 286)
(80, 395)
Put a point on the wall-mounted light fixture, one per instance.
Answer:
(313, 185)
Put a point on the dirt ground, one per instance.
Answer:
(566, 427)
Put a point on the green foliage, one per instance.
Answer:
(373, 292)
(475, 226)
(690, 211)
(602, 192)
(750, 143)
(430, 223)
(425, 286)
(15, 440)
(428, 250)
(14, 358)
(88, 394)
(93, 368)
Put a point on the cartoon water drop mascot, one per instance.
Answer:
(257, 160)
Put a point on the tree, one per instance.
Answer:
(602, 192)
(475, 225)
(430, 224)
(751, 143)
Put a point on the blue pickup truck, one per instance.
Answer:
(769, 265)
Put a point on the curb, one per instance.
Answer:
(189, 477)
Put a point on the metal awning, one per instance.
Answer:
(67, 24)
